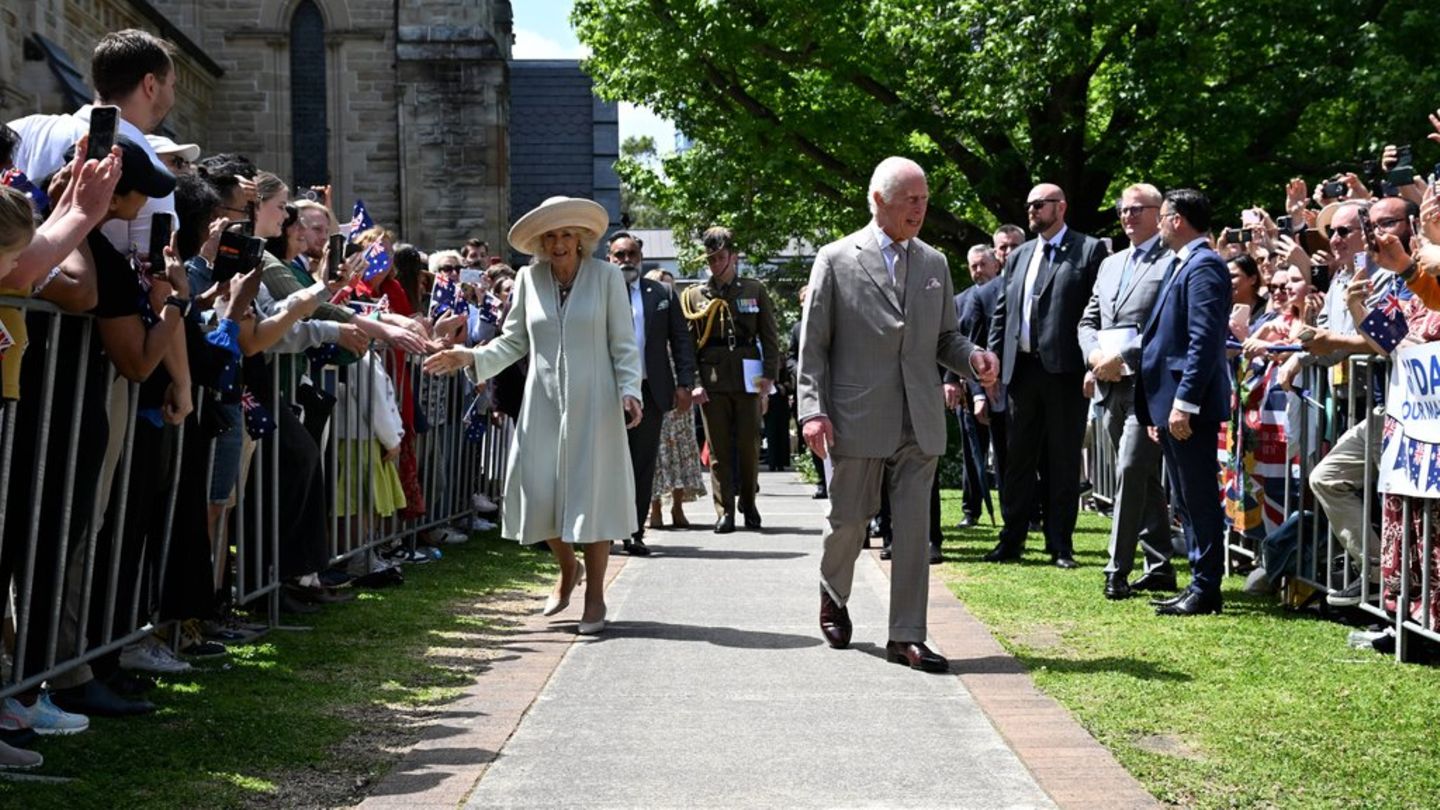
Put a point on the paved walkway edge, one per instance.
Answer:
(454, 752)
(1069, 764)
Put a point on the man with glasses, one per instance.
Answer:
(1047, 284)
(1125, 294)
(728, 316)
(664, 341)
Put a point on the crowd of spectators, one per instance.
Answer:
(260, 315)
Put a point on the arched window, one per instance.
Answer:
(308, 125)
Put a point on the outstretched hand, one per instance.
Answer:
(819, 435)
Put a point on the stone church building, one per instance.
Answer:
(403, 103)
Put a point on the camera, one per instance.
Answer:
(1285, 224)
(1334, 189)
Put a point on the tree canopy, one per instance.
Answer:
(791, 103)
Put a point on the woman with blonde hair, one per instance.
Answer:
(568, 477)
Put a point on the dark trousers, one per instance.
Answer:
(732, 425)
(1047, 422)
(976, 439)
(644, 451)
(777, 432)
(1193, 471)
(304, 527)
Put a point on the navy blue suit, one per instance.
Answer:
(1183, 358)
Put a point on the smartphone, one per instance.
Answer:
(1240, 313)
(162, 224)
(1402, 175)
(238, 253)
(1249, 218)
(104, 123)
(332, 262)
(1284, 224)
(1334, 189)
(1237, 237)
(1367, 228)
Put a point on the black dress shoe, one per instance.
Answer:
(752, 519)
(290, 604)
(128, 684)
(1000, 554)
(1166, 601)
(834, 621)
(95, 699)
(968, 522)
(726, 524)
(1191, 603)
(885, 552)
(1159, 579)
(1064, 561)
(935, 556)
(1116, 587)
(636, 547)
(915, 655)
(821, 493)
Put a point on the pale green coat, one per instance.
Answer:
(569, 473)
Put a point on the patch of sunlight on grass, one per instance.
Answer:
(253, 784)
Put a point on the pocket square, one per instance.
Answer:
(663, 305)
(932, 284)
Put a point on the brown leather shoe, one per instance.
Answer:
(915, 655)
(834, 621)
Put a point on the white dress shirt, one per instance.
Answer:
(1032, 273)
(637, 317)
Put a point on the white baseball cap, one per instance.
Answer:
(188, 152)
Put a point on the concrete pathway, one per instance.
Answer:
(711, 687)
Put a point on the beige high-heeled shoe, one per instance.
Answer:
(554, 604)
(592, 628)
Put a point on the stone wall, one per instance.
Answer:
(418, 103)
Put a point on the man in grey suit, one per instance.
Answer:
(879, 315)
(1125, 294)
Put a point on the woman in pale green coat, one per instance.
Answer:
(568, 478)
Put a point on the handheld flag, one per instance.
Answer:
(1386, 323)
(17, 180)
(377, 259)
(360, 221)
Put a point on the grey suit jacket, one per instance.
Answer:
(863, 358)
(1111, 307)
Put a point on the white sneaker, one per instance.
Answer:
(480, 524)
(149, 655)
(44, 717)
(483, 503)
(447, 536)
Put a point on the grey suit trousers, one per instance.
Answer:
(1140, 513)
(854, 498)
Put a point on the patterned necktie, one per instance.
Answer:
(902, 269)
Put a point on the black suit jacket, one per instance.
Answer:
(667, 339)
(974, 308)
(1061, 291)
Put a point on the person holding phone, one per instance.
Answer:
(569, 477)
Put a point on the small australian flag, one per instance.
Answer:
(1386, 323)
(360, 221)
(17, 180)
(377, 259)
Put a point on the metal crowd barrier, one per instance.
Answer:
(452, 468)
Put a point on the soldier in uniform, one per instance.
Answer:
(727, 316)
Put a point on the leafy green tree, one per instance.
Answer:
(792, 102)
(638, 158)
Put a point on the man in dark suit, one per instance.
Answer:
(792, 368)
(1184, 391)
(1047, 283)
(1124, 298)
(973, 410)
(664, 338)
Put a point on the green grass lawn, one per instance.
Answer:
(302, 718)
(1258, 707)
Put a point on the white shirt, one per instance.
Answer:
(43, 141)
(1031, 274)
(884, 241)
(637, 317)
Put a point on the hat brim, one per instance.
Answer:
(1322, 220)
(556, 213)
(188, 152)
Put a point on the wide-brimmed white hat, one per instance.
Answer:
(162, 145)
(554, 213)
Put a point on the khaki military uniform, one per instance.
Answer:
(726, 323)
